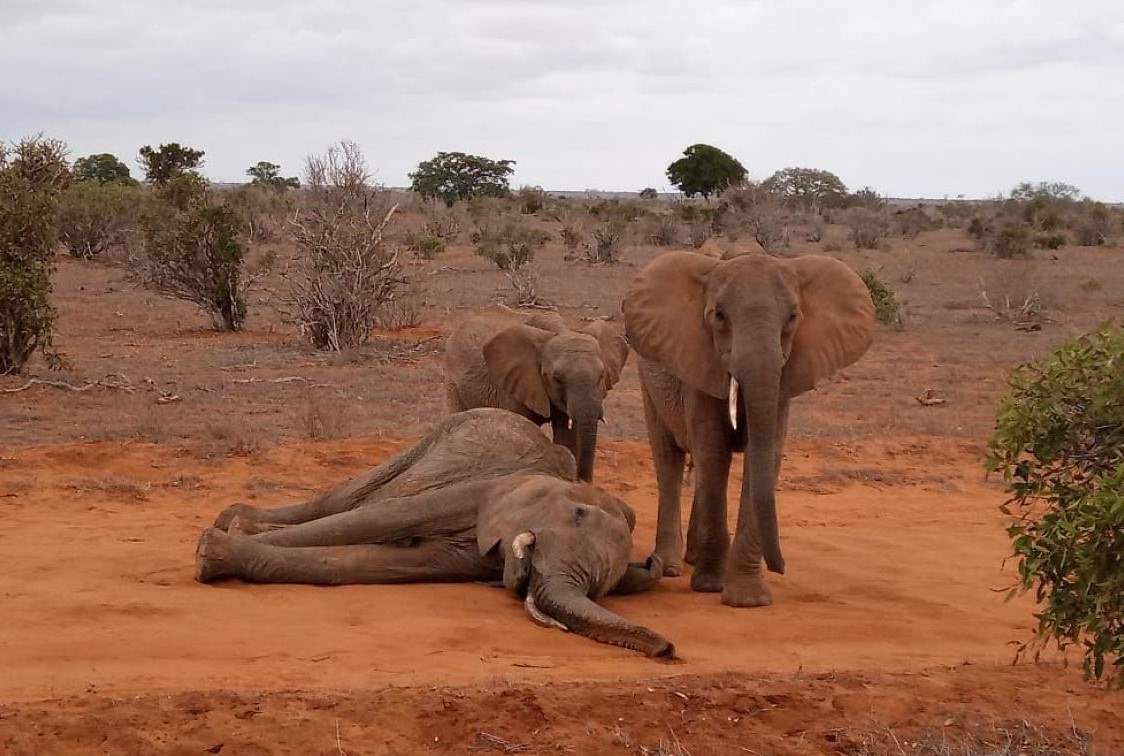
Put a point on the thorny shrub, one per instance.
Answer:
(509, 245)
(1059, 445)
(346, 270)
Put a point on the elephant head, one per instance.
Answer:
(563, 545)
(754, 330)
(560, 374)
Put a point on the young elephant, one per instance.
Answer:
(540, 369)
(485, 496)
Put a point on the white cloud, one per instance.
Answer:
(921, 98)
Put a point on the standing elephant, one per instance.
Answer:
(724, 346)
(540, 369)
(485, 497)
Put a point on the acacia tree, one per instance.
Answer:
(168, 161)
(705, 170)
(807, 188)
(103, 168)
(453, 176)
(268, 174)
(33, 174)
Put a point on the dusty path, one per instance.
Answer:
(96, 546)
(887, 626)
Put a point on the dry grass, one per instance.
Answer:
(953, 345)
(325, 418)
(112, 487)
(1018, 737)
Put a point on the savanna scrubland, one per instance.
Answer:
(147, 414)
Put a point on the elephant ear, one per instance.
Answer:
(614, 348)
(512, 357)
(837, 324)
(665, 322)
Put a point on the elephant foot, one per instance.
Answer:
(672, 565)
(214, 557)
(746, 591)
(245, 511)
(246, 526)
(706, 580)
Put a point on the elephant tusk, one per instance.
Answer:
(521, 543)
(539, 618)
(569, 423)
(733, 402)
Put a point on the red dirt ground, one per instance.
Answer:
(889, 635)
(895, 586)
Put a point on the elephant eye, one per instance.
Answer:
(719, 315)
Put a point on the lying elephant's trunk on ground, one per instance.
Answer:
(575, 611)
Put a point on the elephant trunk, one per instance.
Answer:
(757, 529)
(585, 411)
(565, 604)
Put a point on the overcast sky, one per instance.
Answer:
(913, 98)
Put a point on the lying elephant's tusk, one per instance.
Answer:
(539, 618)
(520, 543)
(733, 402)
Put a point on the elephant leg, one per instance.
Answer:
(447, 510)
(668, 459)
(710, 448)
(354, 493)
(451, 559)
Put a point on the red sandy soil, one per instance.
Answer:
(892, 616)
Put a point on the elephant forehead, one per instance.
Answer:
(749, 270)
(572, 344)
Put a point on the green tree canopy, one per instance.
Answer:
(809, 188)
(452, 176)
(169, 161)
(1045, 190)
(269, 174)
(705, 170)
(103, 168)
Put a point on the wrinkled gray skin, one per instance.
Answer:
(539, 368)
(484, 497)
(725, 345)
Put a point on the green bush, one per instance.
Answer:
(1059, 444)
(427, 246)
(1050, 241)
(193, 250)
(1010, 241)
(33, 173)
(531, 199)
(94, 216)
(886, 306)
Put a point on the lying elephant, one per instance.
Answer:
(484, 497)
